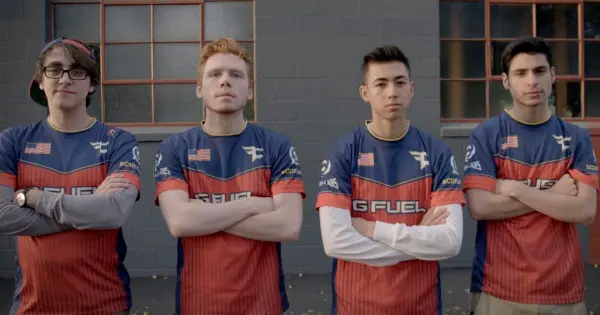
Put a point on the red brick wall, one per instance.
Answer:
(595, 227)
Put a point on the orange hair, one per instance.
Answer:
(224, 46)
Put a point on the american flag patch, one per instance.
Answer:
(366, 159)
(199, 155)
(510, 142)
(38, 148)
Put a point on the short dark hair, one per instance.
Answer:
(387, 53)
(525, 45)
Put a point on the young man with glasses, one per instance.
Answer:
(76, 181)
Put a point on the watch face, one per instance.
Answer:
(21, 199)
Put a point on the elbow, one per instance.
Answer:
(454, 248)
(116, 222)
(176, 228)
(175, 224)
(330, 247)
(477, 212)
(589, 215)
(292, 233)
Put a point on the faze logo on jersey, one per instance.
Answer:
(254, 152)
(101, 147)
(420, 157)
(563, 141)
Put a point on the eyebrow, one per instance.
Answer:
(226, 69)
(60, 64)
(536, 68)
(386, 79)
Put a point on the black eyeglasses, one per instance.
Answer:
(57, 73)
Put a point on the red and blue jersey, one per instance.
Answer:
(75, 270)
(222, 273)
(395, 182)
(532, 258)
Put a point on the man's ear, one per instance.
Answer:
(362, 90)
(198, 90)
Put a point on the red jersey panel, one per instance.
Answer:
(393, 182)
(224, 274)
(75, 271)
(532, 258)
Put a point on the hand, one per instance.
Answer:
(364, 227)
(565, 186)
(260, 205)
(435, 216)
(113, 184)
(508, 188)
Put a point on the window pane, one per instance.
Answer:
(175, 61)
(500, 98)
(557, 20)
(127, 62)
(127, 103)
(249, 110)
(461, 59)
(591, 13)
(176, 103)
(463, 99)
(565, 57)
(592, 59)
(79, 21)
(127, 23)
(229, 19)
(177, 23)
(462, 20)
(592, 99)
(497, 50)
(510, 21)
(566, 99)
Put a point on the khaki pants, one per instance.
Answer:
(485, 304)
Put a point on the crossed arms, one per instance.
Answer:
(437, 237)
(569, 200)
(48, 213)
(261, 218)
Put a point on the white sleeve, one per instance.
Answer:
(425, 242)
(342, 241)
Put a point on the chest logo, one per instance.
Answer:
(254, 152)
(420, 157)
(101, 147)
(563, 142)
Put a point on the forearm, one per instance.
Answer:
(486, 205)
(197, 218)
(275, 226)
(566, 208)
(425, 242)
(15, 220)
(88, 212)
(342, 241)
